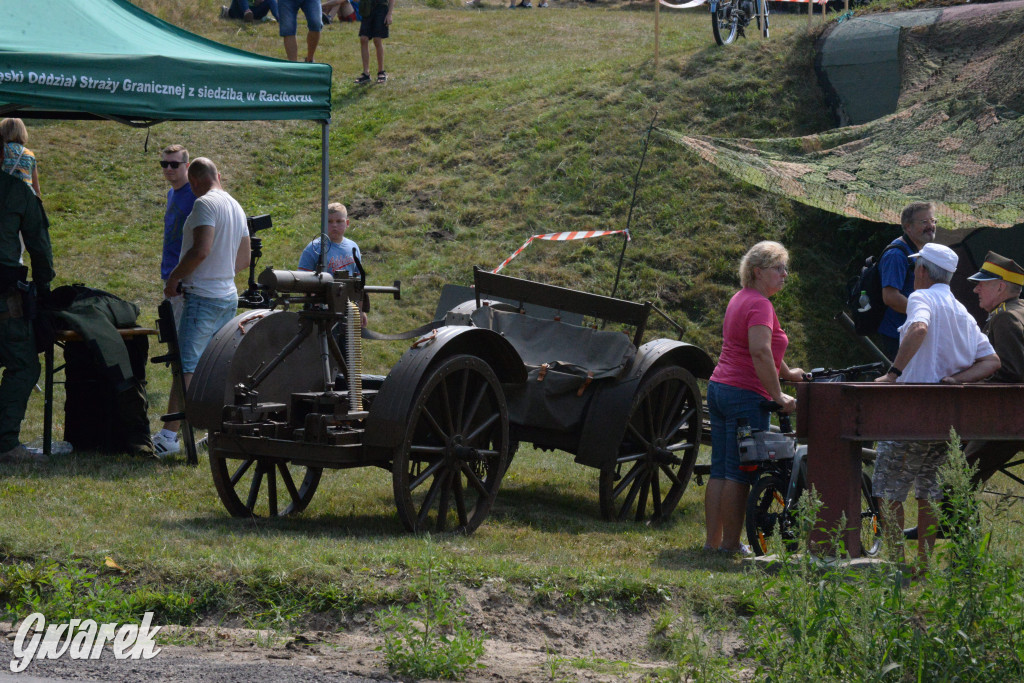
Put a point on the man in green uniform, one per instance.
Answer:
(21, 213)
(998, 288)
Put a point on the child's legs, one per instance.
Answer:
(364, 50)
(378, 45)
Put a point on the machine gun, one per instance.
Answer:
(328, 302)
(254, 296)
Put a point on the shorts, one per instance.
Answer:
(288, 16)
(201, 318)
(373, 25)
(901, 464)
(726, 404)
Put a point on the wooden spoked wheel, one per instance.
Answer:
(448, 469)
(262, 487)
(658, 452)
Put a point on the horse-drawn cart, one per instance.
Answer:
(283, 395)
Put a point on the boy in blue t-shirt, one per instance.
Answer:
(341, 251)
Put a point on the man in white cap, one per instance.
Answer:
(939, 342)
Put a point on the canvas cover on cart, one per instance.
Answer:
(565, 364)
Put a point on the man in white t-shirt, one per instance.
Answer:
(939, 342)
(214, 247)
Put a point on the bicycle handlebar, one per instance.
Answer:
(826, 373)
(785, 422)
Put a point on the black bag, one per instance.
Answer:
(98, 417)
(867, 318)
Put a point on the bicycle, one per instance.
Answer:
(729, 18)
(781, 466)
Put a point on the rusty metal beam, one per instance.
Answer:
(836, 417)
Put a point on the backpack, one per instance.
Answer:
(870, 282)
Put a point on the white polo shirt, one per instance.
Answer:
(954, 340)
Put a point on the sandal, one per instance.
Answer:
(382, 76)
(363, 80)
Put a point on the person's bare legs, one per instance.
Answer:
(175, 404)
(291, 48)
(927, 522)
(890, 518)
(378, 45)
(712, 513)
(312, 40)
(734, 506)
(364, 51)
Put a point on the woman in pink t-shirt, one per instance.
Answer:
(748, 372)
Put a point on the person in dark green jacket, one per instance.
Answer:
(21, 214)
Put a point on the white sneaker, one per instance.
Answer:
(223, 11)
(164, 446)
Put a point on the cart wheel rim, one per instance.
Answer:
(658, 452)
(262, 487)
(447, 472)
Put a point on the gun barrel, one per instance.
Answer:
(299, 281)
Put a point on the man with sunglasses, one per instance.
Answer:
(180, 198)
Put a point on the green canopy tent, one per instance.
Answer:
(107, 59)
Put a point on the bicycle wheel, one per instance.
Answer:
(767, 515)
(870, 530)
(725, 21)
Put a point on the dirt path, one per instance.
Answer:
(526, 643)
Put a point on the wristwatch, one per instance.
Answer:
(893, 370)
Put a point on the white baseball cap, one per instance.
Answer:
(939, 254)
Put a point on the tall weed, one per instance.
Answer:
(428, 638)
(963, 623)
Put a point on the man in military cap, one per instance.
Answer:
(998, 288)
(21, 213)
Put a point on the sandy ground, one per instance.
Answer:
(525, 643)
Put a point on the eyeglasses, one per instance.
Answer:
(171, 164)
(780, 268)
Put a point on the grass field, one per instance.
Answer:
(495, 125)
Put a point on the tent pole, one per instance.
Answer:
(324, 172)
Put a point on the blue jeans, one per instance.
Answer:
(726, 404)
(288, 16)
(240, 7)
(201, 318)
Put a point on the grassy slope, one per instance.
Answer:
(496, 125)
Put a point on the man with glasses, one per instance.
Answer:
(180, 198)
(918, 221)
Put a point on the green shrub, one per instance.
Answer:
(963, 623)
(427, 638)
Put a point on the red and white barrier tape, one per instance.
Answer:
(685, 5)
(562, 237)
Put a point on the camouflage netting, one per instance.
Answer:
(957, 137)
